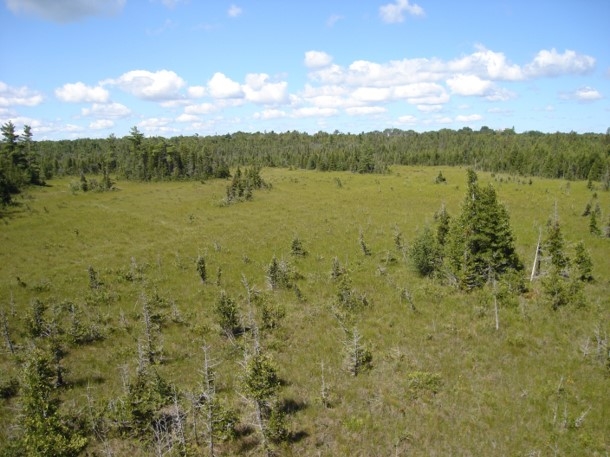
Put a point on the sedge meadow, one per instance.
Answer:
(448, 372)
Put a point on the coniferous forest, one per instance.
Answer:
(383, 293)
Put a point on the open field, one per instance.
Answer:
(443, 381)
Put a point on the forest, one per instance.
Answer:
(557, 155)
(387, 293)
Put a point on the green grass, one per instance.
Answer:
(443, 382)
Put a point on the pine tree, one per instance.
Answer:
(480, 240)
(583, 262)
(45, 432)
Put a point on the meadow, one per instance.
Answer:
(448, 375)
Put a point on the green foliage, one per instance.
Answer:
(348, 298)
(35, 319)
(227, 314)
(583, 262)
(260, 380)
(553, 247)
(279, 274)
(201, 268)
(480, 242)
(146, 394)
(423, 382)
(425, 253)
(296, 247)
(45, 432)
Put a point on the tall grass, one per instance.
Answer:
(444, 381)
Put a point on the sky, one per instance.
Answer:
(91, 68)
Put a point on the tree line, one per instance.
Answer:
(552, 155)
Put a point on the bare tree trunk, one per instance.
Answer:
(536, 265)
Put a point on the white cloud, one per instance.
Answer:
(66, 10)
(234, 11)
(551, 63)
(317, 59)
(394, 12)
(171, 4)
(14, 96)
(365, 110)
(196, 91)
(422, 93)
(270, 114)
(487, 64)
(429, 108)
(106, 110)
(584, 94)
(187, 118)
(258, 89)
(160, 85)
(463, 84)
(372, 94)
(468, 118)
(220, 86)
(203, 108)
(79, 93)
(407, 119)
(101, 124)
(333, 19)
(314, 111)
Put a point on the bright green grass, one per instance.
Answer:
(443, 382)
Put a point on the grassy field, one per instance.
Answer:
(444, 380)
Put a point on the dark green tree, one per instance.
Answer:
(583, 262)
(425, 253)
(45, 431)
(480, 240)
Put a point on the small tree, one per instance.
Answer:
(201, 268)
(296, 248)
(425, 253)
(45, 432)
(480, 239)
(583, 262)
(261, 384)
(227, 314)
(358, 357)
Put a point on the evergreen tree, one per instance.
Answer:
(583, 262)
(480, 240)
(554, 247)
(45, 432)
(425, 253)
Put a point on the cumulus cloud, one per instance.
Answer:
(258, 89)
(66, 10)
(196, 91)
(365, 110)
(462, 84)
(106, 110)
(552, 63)
(583, 94)
(314, 111)
(160, 85)
(234, 11)
(268, 114)
(466, 118)
(317, 59)
(487, 64)
(79, 93)
(220, 86)
(203, 108)
(18, 96)
(101, 124)
(395, 12)
(407, 119)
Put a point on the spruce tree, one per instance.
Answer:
(480, 240)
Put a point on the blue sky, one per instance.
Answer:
(91, 68)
